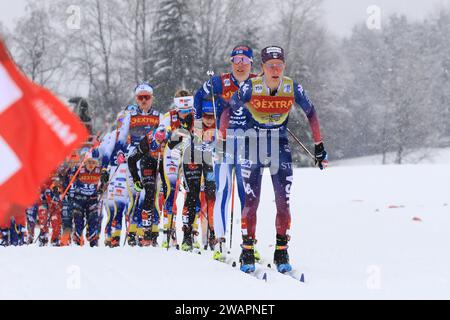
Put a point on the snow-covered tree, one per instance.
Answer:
(38, 49)
(175, 58)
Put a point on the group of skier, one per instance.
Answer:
(221, 137)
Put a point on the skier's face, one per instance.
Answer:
(241, 67)
(274, 70)
(208, 120)
(91, 164)
(144, 100)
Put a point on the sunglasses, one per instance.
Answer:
(185, 111)
(275, 65)
(241, 59)
(144, 97)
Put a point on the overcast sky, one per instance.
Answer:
(340, 15)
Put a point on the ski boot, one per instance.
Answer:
(281, 257)
(56, 243)
(132, 242)
(187, 239)
(154, 239)
(66, 238)
(93, 240)
(146, 240)
(79, 241)
(108, 242)
(247, 258)
(13, 236)
(212, 241)
(172, 236)
(30, 239)
(220, 250)
(195, 244)
(165, 244)
(93, 243)
(43, 240)
(4, 240)
(22, 235)
(114, 242)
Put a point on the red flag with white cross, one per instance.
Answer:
(37, 132)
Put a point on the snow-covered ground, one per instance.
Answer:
(367, 232)
(422, 156)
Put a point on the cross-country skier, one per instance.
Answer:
(198, 165)
(180, 118)
(118, 189)
(50, 212)
(223, 87)
(139, 120)
(85, 200)
(32, 213)
(208, 139)
(13, 231)
(67, 217)
(269, 100)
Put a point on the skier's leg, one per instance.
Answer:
(67, 221)
(92, 235)
(111, 208)
(150, 217)
(192, 174)
(116, 226)
(252, 178)
(78, 209)
(55, 222)
(282, 179)
(134, 210)
(118, 196)
(223, 193)
(171, 162)
(31, 223)
(17, 229)
(282, 182)
(43, 221)
(13, 233)
(210, 197)
(240, 185)
(4, 236)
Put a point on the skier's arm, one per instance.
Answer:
(242, 96)
(117, 142)
(202, 94)
(122, 134)
(302, 99)
(137, 155)
(158, 136)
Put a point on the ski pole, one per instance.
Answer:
(301, 145)
(210, 73)
(232, 207)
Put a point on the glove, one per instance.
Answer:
(105, 176)
(138, 186)
(321, 156)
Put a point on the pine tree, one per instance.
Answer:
(175, 62)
